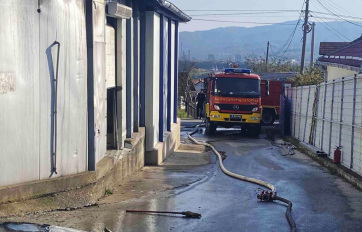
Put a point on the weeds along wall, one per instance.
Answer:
(330, 115)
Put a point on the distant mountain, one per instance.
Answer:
(230, 41)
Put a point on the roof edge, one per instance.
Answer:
(344, 66)
(174, 9)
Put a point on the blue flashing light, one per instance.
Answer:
(237, 70)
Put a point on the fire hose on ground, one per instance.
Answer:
(264, 195)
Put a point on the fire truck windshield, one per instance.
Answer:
(237, 87)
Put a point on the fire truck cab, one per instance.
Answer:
(233, 98)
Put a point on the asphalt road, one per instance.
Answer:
(321, 200)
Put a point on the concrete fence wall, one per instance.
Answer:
(330, 115)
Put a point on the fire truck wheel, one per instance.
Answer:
(254, 130)
(210, 127)
(268, 117)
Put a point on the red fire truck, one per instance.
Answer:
(271, 103)
(233, 98)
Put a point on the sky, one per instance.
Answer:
(250, 13)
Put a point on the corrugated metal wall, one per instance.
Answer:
(19, 109)
(330, 115)
(25, 112)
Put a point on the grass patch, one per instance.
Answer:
(108, 192)
(182, 114)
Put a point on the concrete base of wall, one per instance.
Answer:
(350, 176)
(75, 190)
(164, 149)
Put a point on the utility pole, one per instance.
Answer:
(305, 31)
(312, 48)
(267, 57)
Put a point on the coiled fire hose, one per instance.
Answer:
(273, 195)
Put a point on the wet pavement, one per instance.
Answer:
(194, 182)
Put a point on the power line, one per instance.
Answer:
(238, 14)
(338, 15)
(287, 44)
(227, 21)
(336, 6)
(332, 30)
(243, 10)
(333, 18)
(245, 16)
(327, 26)
(345, 16)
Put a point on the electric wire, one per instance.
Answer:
(326, 25)
(331, 29)
(238, 14)
(230, 21)
(326, 13)
(242, 10)
(284, 48)
(336, 6)
(326, 8)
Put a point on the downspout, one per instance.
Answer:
(90, 86)
(53, 107)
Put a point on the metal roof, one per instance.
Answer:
(350, 55)
(327, 48)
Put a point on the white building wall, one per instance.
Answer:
(25, 109)
(67, 27)
(19, 91)
(335, 73)
(152, 78)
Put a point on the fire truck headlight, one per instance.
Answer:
(255, 109)
(255, 118)
(216, 107)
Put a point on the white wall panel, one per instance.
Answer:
(67, 26)
(19, 108)
(25, 111)
(100, 90)
(165, 72)
(173, 41)
(110, 57)
(336, 103)
(152, 79)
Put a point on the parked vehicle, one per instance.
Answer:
(233, 98)
(271, 103)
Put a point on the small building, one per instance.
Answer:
(82, 80)
(340, 59)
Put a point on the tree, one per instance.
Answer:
(275, 64)
(311, 76)
(185, 84)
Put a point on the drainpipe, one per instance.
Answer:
(90, 86)
(53, 107)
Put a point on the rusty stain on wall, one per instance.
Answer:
(7, 82)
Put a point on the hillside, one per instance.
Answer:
(229, 41)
